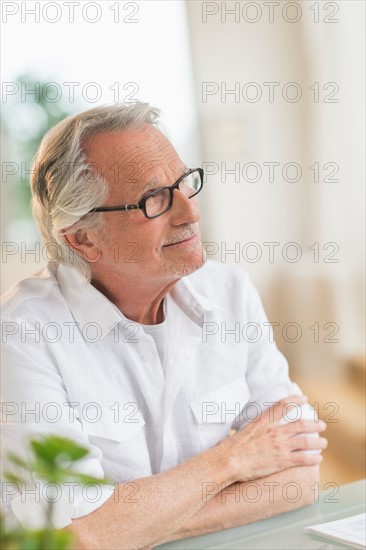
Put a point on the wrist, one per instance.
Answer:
(228, 463)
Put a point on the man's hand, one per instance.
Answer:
(266, 446)
(171, 504)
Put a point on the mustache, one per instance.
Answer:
(185, 233)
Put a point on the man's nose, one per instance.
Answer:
(184, 210)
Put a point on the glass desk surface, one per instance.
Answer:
(286, 531)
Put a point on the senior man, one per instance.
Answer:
(110, 346)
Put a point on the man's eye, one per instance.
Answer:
(154, 191)
(146, 194)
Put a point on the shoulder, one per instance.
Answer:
(30, 294)
(214, 274)
(221, 282)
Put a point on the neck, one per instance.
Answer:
(136, 301)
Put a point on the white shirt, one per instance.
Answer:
(92, 375)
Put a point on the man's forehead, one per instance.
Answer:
(139, 156)
(128, 145)
(138, 149)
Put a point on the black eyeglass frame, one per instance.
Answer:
(141, 204)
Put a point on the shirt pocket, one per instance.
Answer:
(108, 425)
(216, 411)
(122, 444)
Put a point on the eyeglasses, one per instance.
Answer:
(160, 200)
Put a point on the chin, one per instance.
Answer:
(187, 270)
(186, 263)
(182, 269)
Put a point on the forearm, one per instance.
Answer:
(159, 506)
(246, 502)
(169, 505)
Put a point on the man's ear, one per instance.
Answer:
(81, 243)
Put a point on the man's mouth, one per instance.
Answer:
(181, 241)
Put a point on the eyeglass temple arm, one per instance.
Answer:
(112, 208)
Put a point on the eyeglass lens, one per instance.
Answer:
(159, 202)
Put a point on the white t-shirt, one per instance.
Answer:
(159, 333)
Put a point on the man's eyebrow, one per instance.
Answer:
(149, 186)
(153, 184)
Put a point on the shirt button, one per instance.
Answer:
(147, 356)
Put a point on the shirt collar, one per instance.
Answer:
(90, 306)
(87, 304)
(192, 302)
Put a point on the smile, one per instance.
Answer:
(189, 239)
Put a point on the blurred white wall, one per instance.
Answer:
(313, 55)
(186, 57)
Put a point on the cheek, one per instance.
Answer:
(120, 230)
(144, 243)
(135, 237)
(150, 245)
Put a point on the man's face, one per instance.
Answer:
(134, 163)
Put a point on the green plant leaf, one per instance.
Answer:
(13, 478)
(15, 459)
(85, 479)
(52, 449)
(53, 458)
(45, 539)
(62, 539)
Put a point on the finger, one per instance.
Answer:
(303, 426)
(283, 406)
(304, 443)
(305, 459)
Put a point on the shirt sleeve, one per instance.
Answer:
(35, 402)
(267, 369)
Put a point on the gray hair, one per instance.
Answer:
(64, 185)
